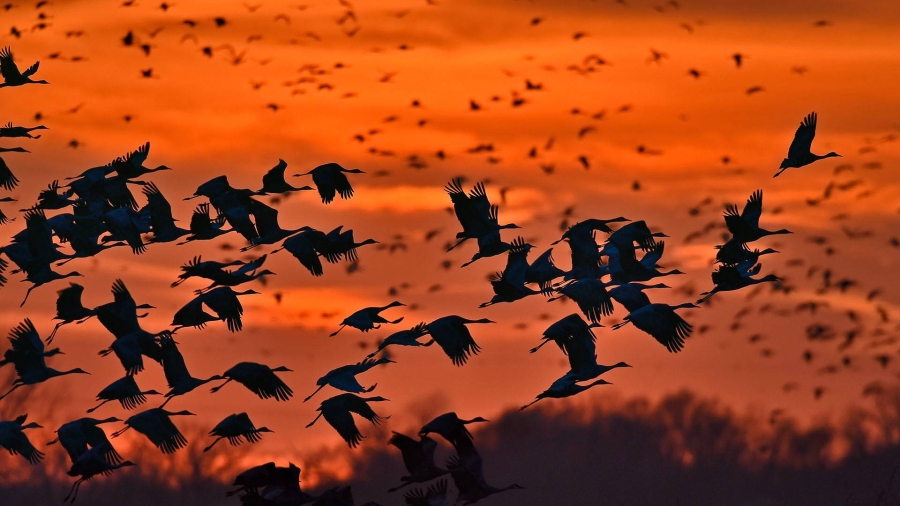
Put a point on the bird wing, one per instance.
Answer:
(455, 340)
(582, 352)
(653, 255)
(8, 68)
(664, 325)
(69, 300)
(173, 362)
(31, 70)
(803, 137)
(266, 218)
(128, 351)
(346, 382)
(753, 209)
(275, 176)
(18, 443)
(160, 210)
(303, 250)
(342, 185)
(343, 423)
(362, 408)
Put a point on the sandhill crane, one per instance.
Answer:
(745, 226)
(474, 212)
(10, 72)
(273, 181)
(131, 165)
(582, 353)
(259, 379)
(162, 223)
(583, 231)
(209, 269)
(177, 375)
(303, 247)
(340, 244)
(469, 480)
(735, 252)
(223, 301)
(800, 154)
(631, 295)
(120, 223)
(344, 377)
(280, 485)
(418, 457)
(368, 318)
(126, 391)
(90, 464)
(235, 428)
(565, 386)
(13, 440)
(543, 272)
(452, 335)
(254, 478)
(436, 495)
(569, 327)
(330, 179)
(203, 226)
(192, 315)
(243, 274)
(69, 308)
(489, 245)
(627, 269)
(270, 232)
(337, 412)
(17, 131)
(120, 316)
(634, 232)
(156, 424)
(77, 436)
(661, 322)
(451, 427)
(590, 295)
(131, 348)
(50, 198)
(29, 362)
(409, 337)
(732, 278)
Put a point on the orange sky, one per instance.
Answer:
(203, 118)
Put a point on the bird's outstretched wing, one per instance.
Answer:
(802, 143)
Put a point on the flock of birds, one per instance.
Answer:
(97, 211)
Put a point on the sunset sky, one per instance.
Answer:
(301, 82)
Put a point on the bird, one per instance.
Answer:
(631, 295)
(28, 350)
(734, 252)
(408, 337)
(13, 440)
(435, 495)
(259, 379)
(273, 181)
(235, 428)
(661, 322)
(157, 426)
(744, 227)
(269, 231)
(469, 480)
(8, 180)
(344, 377)
(731, 278)
(368, 318)
(162, 223)
(126, 391)
(248, 271)
(330, 179)
(209, 269)
(452, 335)
(451, 427)
(222, 300)
(337, 412)
(10, 72)
(565, 386)
(69, 308)
(177, 375)
(303, 247)
(78, 436)
(799, 154)
(90, 464)
(566, 328)
(590, 295)
(474, 212)
(418, 458)
(10, 131)
(131, 165)
(203, 226)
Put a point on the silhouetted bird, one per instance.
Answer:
(409, 337)
(469, 480)
(418, 458)
(661, 322)
(330, 179)
(273, 181)
(337, 412)
(590, 295)
(745, 226)
(565, 386)
(11, 74)
(344, 377)
(126, 391)
(236, 428)
(259, 379)
(732, 278)
(451, 427)
(90, 464)
(368, 318)
(69, 308)
(452, 335)
(13, 440)
(157, 426)
(10, 131)
(77, 436)
(799, 154)
(177, 375)
(28, 349)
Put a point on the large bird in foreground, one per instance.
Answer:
(337, 412)
(799, 154)
(10, 72)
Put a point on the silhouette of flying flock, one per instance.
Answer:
(104, 214)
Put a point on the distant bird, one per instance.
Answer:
(13, 440)
(565, 386)
(452, 335)
(745, 226)
(273, 181)
(77, 436)
(738, 59)
(10, 72)
(28, 349)
(418, 458)
(337, 412)
(368, 318)
(235, 428)
(409, 337)
(157, 426)
(799, 154)
(661, 322)
(259, 379)
(126, 391)
(90, 464)
(330, 179)
(344, 377)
